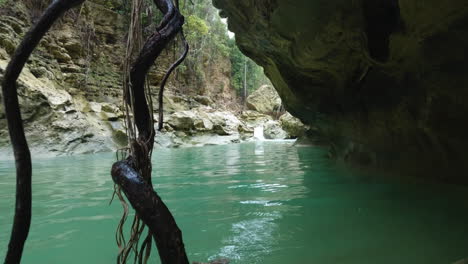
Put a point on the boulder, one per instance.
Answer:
(204, 119)
(292, 125)
(272, 130)
(224, 123)
(183, 120)
(264, 100)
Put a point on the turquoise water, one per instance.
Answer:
(264, 202)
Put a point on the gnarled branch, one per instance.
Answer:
(152, 211)
(133, 175)
(22, 219)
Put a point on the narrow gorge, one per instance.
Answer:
(233, 131)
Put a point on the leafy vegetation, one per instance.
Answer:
(245, 71)
(209, 41)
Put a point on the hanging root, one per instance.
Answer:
(132, 176)
(166, 77)
(22, 219)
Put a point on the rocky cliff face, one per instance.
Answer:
(70, 89)
(384, 81)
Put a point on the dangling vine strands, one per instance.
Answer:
(132, 175)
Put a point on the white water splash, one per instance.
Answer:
(258, 133)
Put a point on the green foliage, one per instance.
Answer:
(110, 4)
(116, 5)
(196, 27)
(253, 76)
(207, 37)
(209, 42)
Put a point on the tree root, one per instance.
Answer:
(152, 211)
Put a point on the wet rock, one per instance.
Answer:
(292, 125)
(272, 130)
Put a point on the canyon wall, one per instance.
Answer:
(384, 81)
(70, 90)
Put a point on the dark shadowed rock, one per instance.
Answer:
(384, 81)
(292, 125)
(462, 261)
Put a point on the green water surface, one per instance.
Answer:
(263, 202)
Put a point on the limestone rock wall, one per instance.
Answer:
(384, 81)
(70, 90)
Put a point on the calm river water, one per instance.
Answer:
(264, 202)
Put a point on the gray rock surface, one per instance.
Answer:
(272, 130)
(264, 100)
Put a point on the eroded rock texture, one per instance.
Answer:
(70, 89)
(384, 81)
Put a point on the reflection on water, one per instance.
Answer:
(263, 202)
